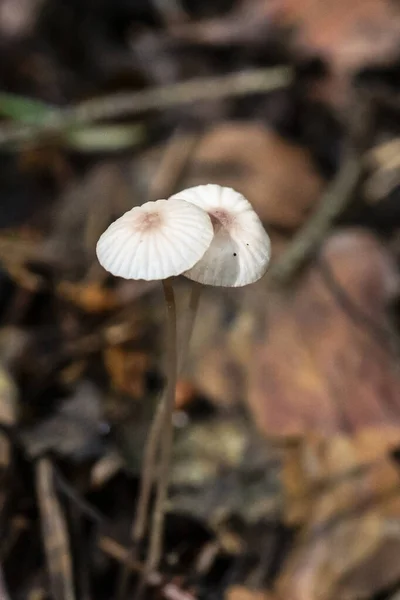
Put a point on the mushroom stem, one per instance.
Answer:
(157, 529)
(152, 443)
(194, 300)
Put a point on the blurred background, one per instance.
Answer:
(285, 482)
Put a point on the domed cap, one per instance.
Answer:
(240, 250)
(156, 240)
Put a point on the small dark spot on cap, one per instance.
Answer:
(234, 254)
(246, 244)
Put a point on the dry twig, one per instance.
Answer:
(332, 204)
(55, 534)
(134, 103)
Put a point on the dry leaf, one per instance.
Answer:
(256, 161)
(349, 35)
(351, 538)
(222, 468)
(324, 361)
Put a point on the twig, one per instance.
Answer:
(55, 533)
(308, 239)
(133, 103)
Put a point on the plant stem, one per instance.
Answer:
(152, 443)
(157, 530)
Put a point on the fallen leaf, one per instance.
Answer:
(256, 161)
(222, 468)
(350, 537)
(325, 361)
(348, 35)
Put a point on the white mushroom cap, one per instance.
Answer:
(156, 240)
(240, 251)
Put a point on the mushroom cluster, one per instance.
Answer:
(211, 235)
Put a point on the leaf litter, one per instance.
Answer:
(285, 479)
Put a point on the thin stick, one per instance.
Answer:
(156, 535)
(332, 204)
(133, 103)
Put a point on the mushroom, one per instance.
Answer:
(240, 250)
(154, 241)
(157, 241)
(238, 255)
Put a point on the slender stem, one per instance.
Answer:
(188, 328)
(147, 473)
(150, 453)
(156, 535)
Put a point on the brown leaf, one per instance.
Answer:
(350, 540)
(256, 161)
(349, 35)
(325, 361)
(222, 467)
(55, 534)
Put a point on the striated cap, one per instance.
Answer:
(240, 250)
(156, 240)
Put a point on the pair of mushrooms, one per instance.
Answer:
(211, 235)
(208, 233)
